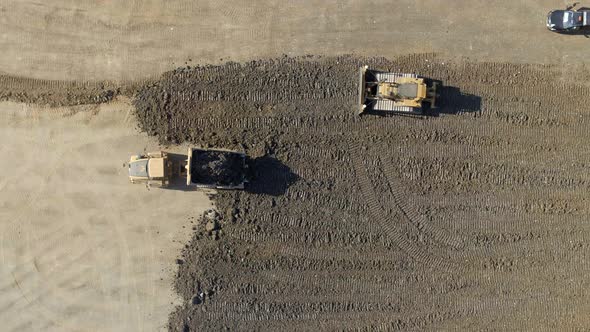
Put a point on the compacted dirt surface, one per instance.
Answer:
(473, 217)
(130, 40)
(81, 249)
(60, 93)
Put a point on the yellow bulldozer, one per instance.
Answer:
(395, 92)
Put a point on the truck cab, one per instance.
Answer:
(153, 168)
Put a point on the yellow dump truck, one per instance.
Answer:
(203, 168)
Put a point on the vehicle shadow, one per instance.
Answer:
(582, 32)
(269, 176)
(452, 101)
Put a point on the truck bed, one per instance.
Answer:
(218, 169)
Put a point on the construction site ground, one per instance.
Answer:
(81, 248)
(472, 218)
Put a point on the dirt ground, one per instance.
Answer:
(470, 218)
(128, 40)
(473, 218)
(80, 248)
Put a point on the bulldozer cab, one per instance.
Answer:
(409, 92)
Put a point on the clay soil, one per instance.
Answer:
(473, 217)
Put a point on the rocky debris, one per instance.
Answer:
(212, 214)
(211, 226)
(217, 167)
(197, 299)
(212, 223)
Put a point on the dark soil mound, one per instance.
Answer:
(216, 167)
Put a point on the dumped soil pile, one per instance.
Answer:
(216, 167)
(472, 218)
(181, 106)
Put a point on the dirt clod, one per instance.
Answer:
(211, 226)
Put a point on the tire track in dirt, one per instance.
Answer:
(378, 215)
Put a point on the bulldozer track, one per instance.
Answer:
(377, 214)
(416, 218)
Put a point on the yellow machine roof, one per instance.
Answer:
(156, 167)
